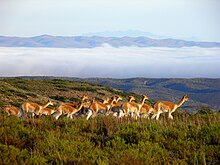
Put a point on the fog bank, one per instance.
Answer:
(112, 62)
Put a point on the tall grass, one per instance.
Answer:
(188, 139)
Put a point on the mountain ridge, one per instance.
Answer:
(98, 41)
(137, 33)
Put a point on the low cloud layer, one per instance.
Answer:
(107, 61)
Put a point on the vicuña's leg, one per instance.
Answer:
(146, 116)
(170, 115)
(121, 113)
(8, 112)
(158, 115)
(132, 114)
(115, 114)
(137, 116)
(154, 115)
(69, 115)
(94, 114)
(89, 114)
(57, 115)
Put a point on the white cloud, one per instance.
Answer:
(107, 61)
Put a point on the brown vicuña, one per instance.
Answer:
(119, 104)
(96, 106)
(164, 106)
(105, 100)
(47, 111)
(34, 108)
(11, 110)
(146, 110)
(117, 108)
(68, 110)
(131, 107)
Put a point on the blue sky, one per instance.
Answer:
(175, 18)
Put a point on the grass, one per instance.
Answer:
(188, 139)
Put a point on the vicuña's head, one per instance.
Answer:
(114, 99)
(185, 97)
(93, 100)
(50, 102)
(118, 98)
(106, 100)
(145, 97)
(131, 98)
(84, 97)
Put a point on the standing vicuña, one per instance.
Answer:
(163, 106)
(11, 110)
(131, 107)
(64, 109)
(34, 108)
(96, 106)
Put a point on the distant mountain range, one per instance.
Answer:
(97, 41)
(136, 33)
(126, 33)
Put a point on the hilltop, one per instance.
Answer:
(97, 41)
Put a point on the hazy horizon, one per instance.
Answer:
(176, 19)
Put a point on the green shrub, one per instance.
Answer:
(59, 98)
(205, 110)
(2, 104)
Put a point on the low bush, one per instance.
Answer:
(188, 139)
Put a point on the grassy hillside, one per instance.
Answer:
(188, 139)
(201, 91)
(15, 91)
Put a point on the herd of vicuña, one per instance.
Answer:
(111, 106)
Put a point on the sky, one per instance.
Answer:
(174, 18)
(107, 61)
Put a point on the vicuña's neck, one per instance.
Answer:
(46, 105)
(109, 105)
(112, 101)
(80, 107)
(129, 100)
(117, 100)
(142, 101)
(180, 102)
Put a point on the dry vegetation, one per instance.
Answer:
(188, 139)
